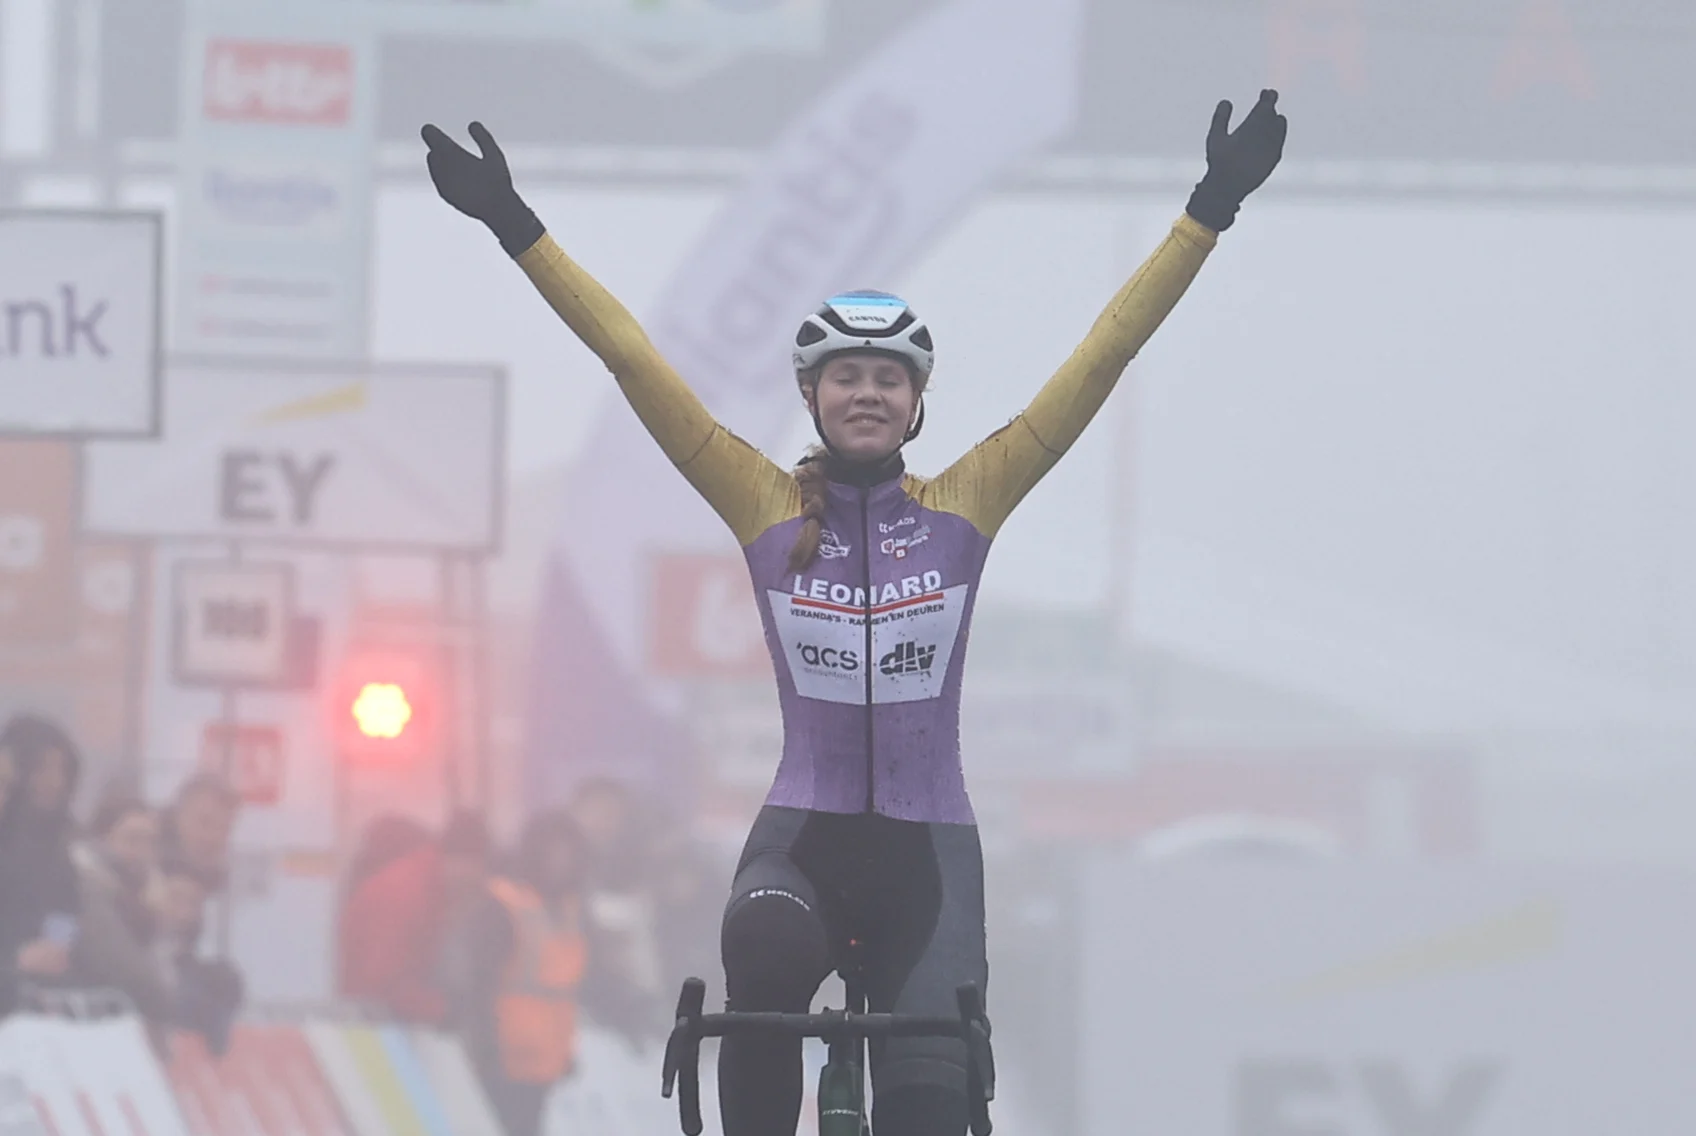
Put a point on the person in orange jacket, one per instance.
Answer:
(515, 974)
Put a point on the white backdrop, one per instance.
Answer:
(1283, 999)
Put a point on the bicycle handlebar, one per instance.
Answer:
(683, 1049)
(829, 1025)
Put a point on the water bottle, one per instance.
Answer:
(840, 1099)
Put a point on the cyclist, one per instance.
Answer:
(865, 577)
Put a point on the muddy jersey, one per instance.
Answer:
(869, 641)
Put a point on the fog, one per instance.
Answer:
(1327, 718)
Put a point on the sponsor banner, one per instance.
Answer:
(662, 44)
(330, 1048)
(250, 758)
(30, 1058)
(38, 518)
(1512, 69)
(268, 1082)
(365, 457)
(415, 1079)
(232, 621)
(462, 1097)
(90, 1078)
(115, 1064)
(259, 198)
(615, 1090)
(274, 82)
(851, 190)
(1247, 998)
(702, 619)
(18, 1114)
(79, 337)
(371, 1061)
(209, 1105)
(283, 1053)
(275, 185)
(914, 627)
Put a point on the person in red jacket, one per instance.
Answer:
(401, 900)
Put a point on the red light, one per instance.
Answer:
(382, 710)
(388, 704)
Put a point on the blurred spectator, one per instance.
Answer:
(394, 918)
(114, 946)
(387, 838)
(514, 971)
(689, 886)
(39, 905)
(195, 830)
(208, 992)
(622, 989)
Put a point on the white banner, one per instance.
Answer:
(277, 135)
(89, 1077)
(451, 1076)
(1284, 999)
(694, 28)
(380, 458)
(851, 192)
(79, 323)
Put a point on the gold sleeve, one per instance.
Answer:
(991, 479)
(747, 489)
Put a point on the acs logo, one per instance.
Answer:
(828, 657)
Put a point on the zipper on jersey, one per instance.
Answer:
(866, 553)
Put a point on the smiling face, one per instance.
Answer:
(865, 402)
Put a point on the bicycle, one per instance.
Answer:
(841, 1096)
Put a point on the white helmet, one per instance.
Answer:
(864, 321)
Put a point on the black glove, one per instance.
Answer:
(481, 187)
(1238, 161)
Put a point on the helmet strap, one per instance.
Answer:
(918, 423)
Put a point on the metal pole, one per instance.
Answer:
(138, 631)
(483, 731)
(228, 714)
(456, 736)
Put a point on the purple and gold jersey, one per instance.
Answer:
(869, 641)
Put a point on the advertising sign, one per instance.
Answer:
(358, 457)
(702, 619)
(79, 323)
(249, 758)
(233, 622)
(275, 184)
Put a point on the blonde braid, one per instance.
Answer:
(810, 479)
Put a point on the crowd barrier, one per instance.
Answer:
(103, 1077)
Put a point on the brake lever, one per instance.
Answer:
(683, 1056)
(980, 1058)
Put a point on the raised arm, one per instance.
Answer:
(991, 479)
(744, 487)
